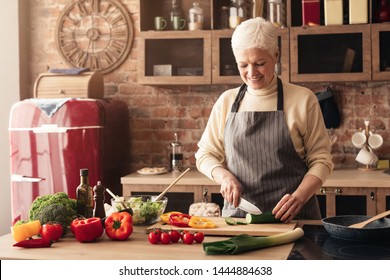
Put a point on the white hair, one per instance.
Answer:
(255, 33)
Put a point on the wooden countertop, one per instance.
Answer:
(136, 247)
(339, 177)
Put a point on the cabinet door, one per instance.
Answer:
(380, 51)
(349, 201)
(330, 53)
(383, 203)
(175, 57)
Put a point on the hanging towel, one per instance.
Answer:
(49, 106)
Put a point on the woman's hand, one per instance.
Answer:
(291, 204)
(287, 208)
(230, 186)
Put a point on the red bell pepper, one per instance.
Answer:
(34, 243)
(87, 230)
(119, 225)
(179, 220)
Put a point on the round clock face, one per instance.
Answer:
(96, 34)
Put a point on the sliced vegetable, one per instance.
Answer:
(21, 232)
(264, 218)
(87, 230)
(200, 222)
(119, 226)
(179, 220)
(165, 217)
(232, 222)
(34, 243)
(243, 243)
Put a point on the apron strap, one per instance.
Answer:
(280, 95)
(242, 91)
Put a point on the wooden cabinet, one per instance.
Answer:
(380, 37)
(348, 201)
(330, 53)
(348, 52)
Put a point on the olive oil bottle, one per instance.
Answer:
(84, 195)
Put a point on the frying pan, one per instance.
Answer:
(337, 227)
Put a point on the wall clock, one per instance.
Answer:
(96, 34)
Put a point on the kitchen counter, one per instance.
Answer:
(137, 247)
(373, 185)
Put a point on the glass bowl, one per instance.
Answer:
(145, 210)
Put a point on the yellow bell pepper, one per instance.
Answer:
(27, 230)
(200, 222)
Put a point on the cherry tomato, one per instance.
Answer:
(154, 237)
(51, 231)
(198, 237)
(188, 238)
(165, 238)
(175, 236)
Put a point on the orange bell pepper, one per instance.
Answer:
(200, 222)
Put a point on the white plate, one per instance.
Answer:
(152, 170)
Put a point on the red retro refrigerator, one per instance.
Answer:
(52, 139)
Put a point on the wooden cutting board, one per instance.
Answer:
(224, 229)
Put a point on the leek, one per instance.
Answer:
(244, 242)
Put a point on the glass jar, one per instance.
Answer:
(175, 11)
(276, 12)
(225, 17)
(195, 21)
(176, 157)
(237, 13)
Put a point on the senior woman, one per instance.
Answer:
(266, 140)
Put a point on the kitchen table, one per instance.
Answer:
(136, 247)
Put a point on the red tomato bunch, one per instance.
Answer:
(174, 236)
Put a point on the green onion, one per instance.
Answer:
(244, 242)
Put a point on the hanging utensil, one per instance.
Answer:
(377, 217)
(171, 185)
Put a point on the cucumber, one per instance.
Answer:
(264, 218)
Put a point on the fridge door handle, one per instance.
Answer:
(24, 178)
(49, 128)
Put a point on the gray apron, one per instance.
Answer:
(260, 153)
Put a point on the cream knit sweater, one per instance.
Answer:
(304, 120)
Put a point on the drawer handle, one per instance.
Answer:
(325, 191)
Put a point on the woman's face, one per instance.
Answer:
(256, 67)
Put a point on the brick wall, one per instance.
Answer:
(156, 113)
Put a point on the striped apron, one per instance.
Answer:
(260, 153)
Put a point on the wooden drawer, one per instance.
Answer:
(87, 84)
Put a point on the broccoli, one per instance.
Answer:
(53, 207)
(56, 213)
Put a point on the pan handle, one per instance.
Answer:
(335, 191)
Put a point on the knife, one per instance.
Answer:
(246, 206)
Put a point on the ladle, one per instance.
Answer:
(171, 185)
(377, 217)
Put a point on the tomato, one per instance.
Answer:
(175, 236)
(198, 237)
(154, 237)
(51, 231)
(87, 230)
(119, 225)
(165, 238)
(188, 238)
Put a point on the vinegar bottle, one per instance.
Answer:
(84, 195)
